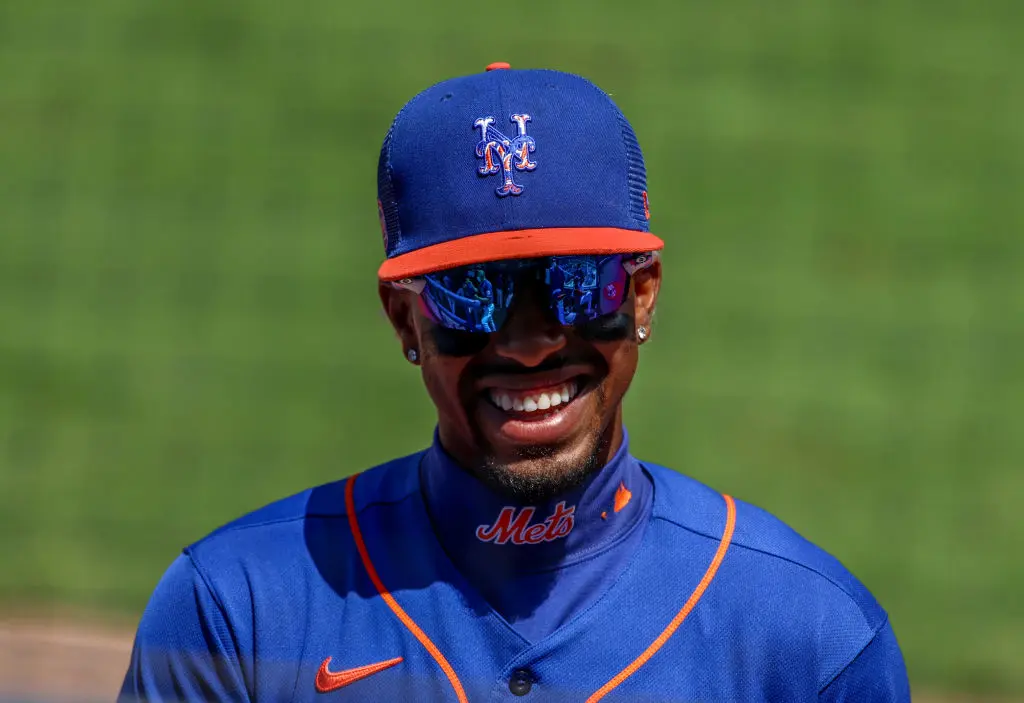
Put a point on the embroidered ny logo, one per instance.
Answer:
(505, 155)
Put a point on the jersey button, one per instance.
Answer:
(520, 683)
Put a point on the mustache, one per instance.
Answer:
(511, 368)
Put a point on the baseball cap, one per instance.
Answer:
(509, 164)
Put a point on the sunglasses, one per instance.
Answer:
(478, 297)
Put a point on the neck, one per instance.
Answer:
(479, 523)
(539, 563)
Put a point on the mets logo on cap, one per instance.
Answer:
(505, 155)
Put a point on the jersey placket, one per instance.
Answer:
(598, 650)
(592, 657)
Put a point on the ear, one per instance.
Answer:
(646, 284)
(400, 307)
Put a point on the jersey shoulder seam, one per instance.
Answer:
(208, 583)
(340, 513)
(374, 503)
(201, 572)
(839, 672)
(741, 545)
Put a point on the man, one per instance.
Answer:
(526, 552)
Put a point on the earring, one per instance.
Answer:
(641, 333)
(412, 356)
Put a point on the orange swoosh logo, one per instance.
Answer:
(327, 680)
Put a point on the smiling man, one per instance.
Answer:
(526, 553)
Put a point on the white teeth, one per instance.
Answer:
(532, 403)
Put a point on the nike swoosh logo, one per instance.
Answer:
(327, 680)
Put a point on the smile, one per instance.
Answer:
(536, 408)
(534, 400)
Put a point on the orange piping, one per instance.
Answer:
(357, 535)
(709, 575)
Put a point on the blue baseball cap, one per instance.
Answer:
(509, 164)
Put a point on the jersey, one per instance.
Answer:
(542, 563)
(344, 593)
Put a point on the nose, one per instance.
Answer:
(531, 333)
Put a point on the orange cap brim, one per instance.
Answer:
(517, 244)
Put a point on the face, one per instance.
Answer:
(535, 407)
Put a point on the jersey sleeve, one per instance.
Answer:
(184, 649)
(876, 675)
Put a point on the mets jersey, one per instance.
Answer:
(413, 582)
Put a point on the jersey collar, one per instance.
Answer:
(480, 528)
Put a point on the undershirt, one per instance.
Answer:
(539, 568)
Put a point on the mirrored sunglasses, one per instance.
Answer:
(478, 297)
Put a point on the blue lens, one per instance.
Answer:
(478, 298)
(582, 288)
(471, 298)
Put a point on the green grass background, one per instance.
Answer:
(189, 324)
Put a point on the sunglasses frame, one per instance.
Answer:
(631, 263)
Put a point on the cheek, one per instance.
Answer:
(441, 377)
(608, 329)
(451, 343)
(441, 371)
(622, 360)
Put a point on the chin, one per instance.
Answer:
(536, 474)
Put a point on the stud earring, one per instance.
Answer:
(641, 333)
(412, 356)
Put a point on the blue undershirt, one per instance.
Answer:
(537, 572)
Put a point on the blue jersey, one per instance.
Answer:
(351, 592)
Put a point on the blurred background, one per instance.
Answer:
(190, 328)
